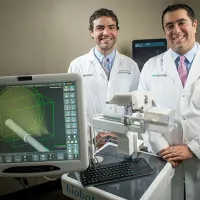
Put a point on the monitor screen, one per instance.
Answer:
(42, 125)
(143, 50)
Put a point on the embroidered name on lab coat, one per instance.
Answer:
(124, 71)
(159, 75)
(85, 75)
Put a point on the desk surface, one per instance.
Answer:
(131, 188)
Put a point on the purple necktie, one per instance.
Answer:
(106, 66)
(182, 70)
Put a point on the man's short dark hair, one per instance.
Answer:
(174, 7)
(101, 13)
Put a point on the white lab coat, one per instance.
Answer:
(160, 76)
(124, 77)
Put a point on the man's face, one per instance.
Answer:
(104, 34)
(179, 31)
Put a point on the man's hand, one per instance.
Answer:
(176, 153)
(175, 164)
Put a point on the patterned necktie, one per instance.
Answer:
(106, 66)
(182, 70)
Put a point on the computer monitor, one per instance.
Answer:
(43, 129)
(143, 50)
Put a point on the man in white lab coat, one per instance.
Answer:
(105, 71)
(175, 84)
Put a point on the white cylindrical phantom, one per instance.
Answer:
(25, 136)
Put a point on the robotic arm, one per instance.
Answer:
(145, 117)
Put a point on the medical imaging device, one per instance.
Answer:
(43, 129)
(145, 117)
(154, 185)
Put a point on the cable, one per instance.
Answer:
(31, 192)
(105, 136)
(50, 179)
(115, 141)
(99, 140)
(97, 161)
(23, 182)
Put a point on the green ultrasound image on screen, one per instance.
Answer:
(17, 102)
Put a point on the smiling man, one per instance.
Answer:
(105, 71)
(174, 80)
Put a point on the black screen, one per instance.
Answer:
(143, 50)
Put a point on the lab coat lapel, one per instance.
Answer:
(96, 66)
(170, 69)
(91, 56)
(194, 73)
(116, 66)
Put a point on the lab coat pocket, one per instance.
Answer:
(122, 83)
(159, 82)
(196, 94)
(123, 76)
(163, 86)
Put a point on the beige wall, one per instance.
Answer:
(195, 5)
(43, 36)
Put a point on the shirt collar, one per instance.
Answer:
(189, 55)
(100, 56)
